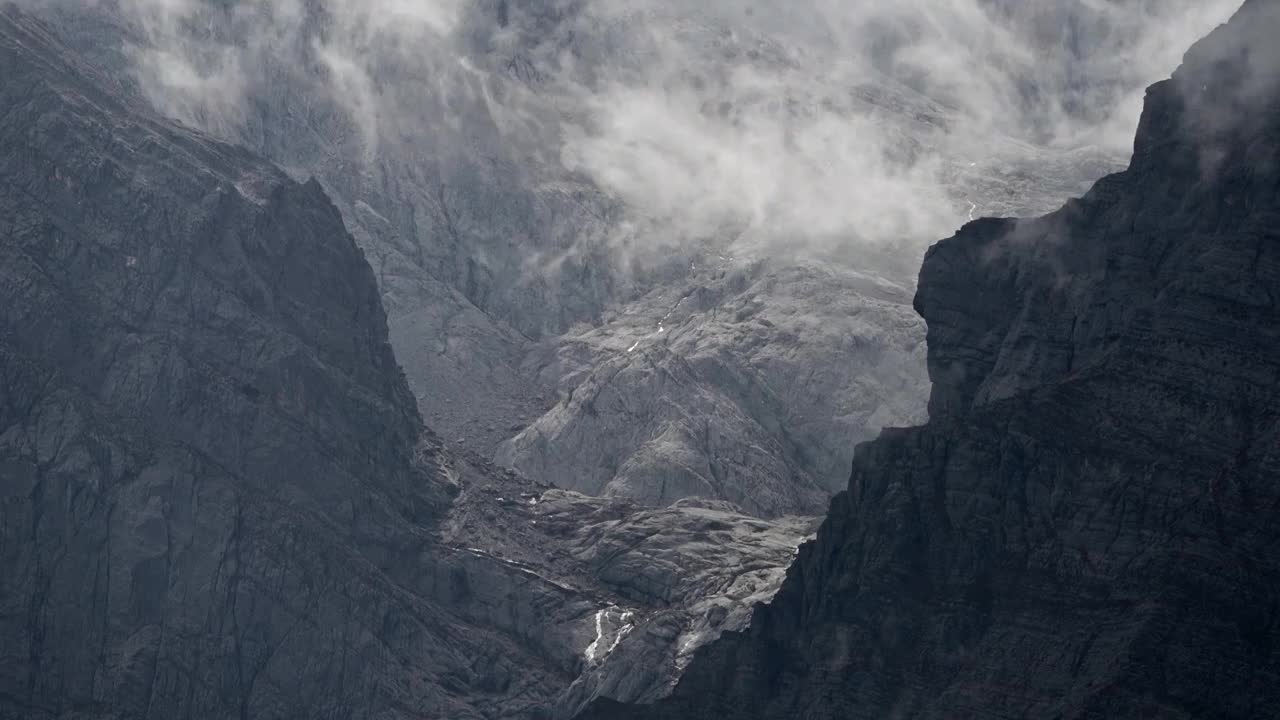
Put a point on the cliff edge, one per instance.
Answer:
(1087, 526)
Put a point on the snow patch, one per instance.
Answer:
(590, 652)
(623, 631)
(593, 653)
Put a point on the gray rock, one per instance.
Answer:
(745, 384)
(342, 563)
(507, 277)
(208, 452)
(628, 592)
(219, 499)
(1086, 526)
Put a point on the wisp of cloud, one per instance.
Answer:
(816, 124)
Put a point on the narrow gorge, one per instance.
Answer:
(506, 360)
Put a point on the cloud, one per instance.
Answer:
(836, 125)
(839, 123)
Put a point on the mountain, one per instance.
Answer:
(481, 163)
(1086, 526)
(223, 497)
(202, 418)
(219, 498)
(738, 384)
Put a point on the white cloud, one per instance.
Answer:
(751, 114)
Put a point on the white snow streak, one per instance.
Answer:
(592, 653)
(591, 649)
(622, 632)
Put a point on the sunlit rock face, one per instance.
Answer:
(1086, 525)
(202, 419)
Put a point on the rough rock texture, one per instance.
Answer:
(201, 420)
(1086, 528)
(631, 591)
(218, 497)
(744, 384)
(462, 227)
(510, 280)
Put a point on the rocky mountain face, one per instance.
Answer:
(739, 384)
(219, 498)
(620, 594)
(202, 419)
(1086, 526)
(515, 283)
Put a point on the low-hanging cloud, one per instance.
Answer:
(202, 61)
(843, 120)
(828, 123)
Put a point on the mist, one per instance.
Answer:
(827, 125)
(849, 122)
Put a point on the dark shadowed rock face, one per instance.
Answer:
(207, 452)
(1087, 527)
(217, 498)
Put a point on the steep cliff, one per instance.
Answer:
(217, 498)
(748, 383)
(207, 451)
(515, 280)
(1087, 527)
